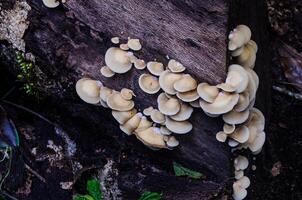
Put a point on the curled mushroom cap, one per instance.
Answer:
(184, 113)
(147, 111)
(241, 163)
(223, 103)
(241, 134)
(239, 192)
(134, 44)
(157, 116)
(89, 90)
(117, 102)
(185, 83)
(228, 128)
(168, 106)
(106, 71)
(155, 68)
(127, 94)
(221, 136)
(118, 60)
(122, 117)
(207, 92)
(51, 3)
(239, 36)
(143, 124)
(234, 117)
(172, 142)
(115, 40)
(189, 96)
(182, 127)
(131, 124)
(139, 64)
(152, 137)
(236, 81)
(165, 131)
(243, 102)
(105, 92)
(175, 66)
(167, 80)
(149, 83)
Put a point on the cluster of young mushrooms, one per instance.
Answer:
(180, 93)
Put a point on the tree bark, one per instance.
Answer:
(70, 41)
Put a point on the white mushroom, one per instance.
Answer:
(147, 111)
(241, 163)
(143, 124)
(207, 92)
(89, 90)
(51, 3)
(115, 40)
(172, 142)
(152, 137)
(175, 66)
(127, 94)
(228, 128)
(118, 60)
(184, 113)
(106, 71)
(167, 80)
(221, 136)
(241, 134)
(139, 64)
(122, 117)
(131, 124)
(157, 116)
(239, 36)
(155, 68)
(189, 96)
(149, 83)
(234, 117)
(165, 131)
(134, 44)
(182, 127)
(185, 83)
(117, 102)
(168, 106)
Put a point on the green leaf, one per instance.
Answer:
(150, 196)
(83, 197)
(94, 189)
(182, 171)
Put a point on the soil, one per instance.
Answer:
(278, 171)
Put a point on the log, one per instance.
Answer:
(70, 41)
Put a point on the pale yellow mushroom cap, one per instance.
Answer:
(143, 124)
(195, 104)
(152, 137)
(182, 127)
(228, 128)
(241, 163)
(175, 66)
(189, 96)
(241, 134)
(168, 106)
(157, 116)
(149, 83)
(131, 124)
(124, 47)
(115, 40)
(207, 92)
(252, 83)
(239, 36)
(165, 131)
(172, 142)
(89, 90)
(244, 182)
(238, 174)
(243, 102)
(239, 192)
(185, 83)
(155, 68)
(184, 113)
(223, 103)
(236, 81)
(248, 57)
(258, 142)
(139, 64)
(117, 102)
(234, 117)
(51, 3)
(221, 136)
(167, 80)
(134, 44)
(105, 92)
(106, 71)
(123, 116)
(256, 118)
(118, 60)
(127, 94)
(147, 111)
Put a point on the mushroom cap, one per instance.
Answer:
(151, 137)
(168, 106)
(184, 113)
(115, 40)
(51, 3)
(248, 57)
(105, 92)
(123, 116)
(131, 124)
(127, 94)
(256, 118)
(211, 115)
(236, 81)
(118, 60)
(165, 131)
(238, 51)
(149, 83)
(244, 182)
(155, 68)
(89, 90)
(195, 104)
(139, 64)
(207, 92)
(147, 111)
(241, 163)
(228, 128)
(223, 103)
(134, 44)
(103, 103)
(258, 142)
(143, 124)
(238, 174)
(241, 134)
(182, 127)
(175, 66)
(185, 84)
(252, 83)
(157, 116)
(243, 102)
(124, 47)
(106, 71)
(239, 36)
(234, 117)
(189, 96)
(172, 142)
(167, 80)
(239, 192)
(232, 143)
(117, 102)
(221, 136)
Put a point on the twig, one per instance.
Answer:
(8, 195)
(30, 111)
(35, 173)
(287, 92)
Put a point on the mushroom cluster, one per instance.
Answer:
(52, 3)
(178, 93)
